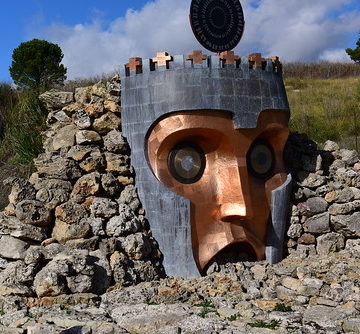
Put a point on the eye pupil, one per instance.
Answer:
(261, 159)
(186, 162)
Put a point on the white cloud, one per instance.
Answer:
(306, 30)
(335, 56)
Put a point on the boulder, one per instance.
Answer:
(63, 231)
(106, 123)
(318, 224)
(33, 212)
(12, 248)
(347, 225)
(54, 99)
(330, 242)
(84, 137)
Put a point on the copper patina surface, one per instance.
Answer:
(229, 205)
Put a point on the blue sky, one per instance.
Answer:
(99, 36)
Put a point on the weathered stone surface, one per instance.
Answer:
(79, 152)
(87, 137)
(350, 157)
(340, 209)
(347, 225)
(129, 197)
(117, 163)
(340, 196)
(112, 106)
(95, 108)
(318, 224)
(85, 186)
(324, 317)
(55, 99)
(16, 278)
(20, 190)
(330, 146)
(95, 162)
(12, 248)
(15, 228)
(33, 213)
(53, 192)
(311, 180)
(70, 212)
(307, 239)
(81, 119)
(115, 142)
(56, 167)
(103, 207)
(99, 90)
(63, 231)
(106, 123)
(90, 244)
(110, 184)
(124, 223)
(137, 246)
(141, 319)
(64, 137)
(83, 94)
(313, 206)
(330, 242)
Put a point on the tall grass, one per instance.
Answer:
(24, 126)
(326, 109)
(320, 70)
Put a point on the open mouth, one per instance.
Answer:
(234, 253)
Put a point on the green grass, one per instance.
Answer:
(280, 307)
(326, 109)
(273, 324)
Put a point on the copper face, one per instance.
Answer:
(227, 174)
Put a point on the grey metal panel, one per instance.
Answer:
(279, 209)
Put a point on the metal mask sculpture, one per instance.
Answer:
(207, 135)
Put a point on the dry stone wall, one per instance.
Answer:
(76, 228)
(325, 208)
(77, 225)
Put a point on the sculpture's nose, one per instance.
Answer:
(233, 202)
(230, 212)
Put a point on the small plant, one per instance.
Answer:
(151, 303)
(207, 307)
(273, 324)
(29, 315)
(232, 317)
(205, 303)
(280, 307)
(2, 312)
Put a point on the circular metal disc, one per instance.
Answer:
(217, 24)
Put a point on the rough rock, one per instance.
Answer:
(63, 231)
(103, 207)
(84, 137)
(330, 242)
(55, 99)
(12, 248)
(115, 142)
(64, 138)
(106, 123)
(33, 213)
(318, 224)
(347, 225)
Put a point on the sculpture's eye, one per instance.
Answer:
(260, 159)
(186, 162)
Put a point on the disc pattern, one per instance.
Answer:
(217, 24)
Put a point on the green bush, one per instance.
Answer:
(23, 127)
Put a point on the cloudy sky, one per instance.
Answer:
(98, 36)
